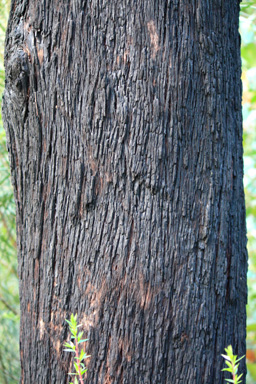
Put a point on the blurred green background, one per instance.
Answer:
(248, 35)
(9, 299)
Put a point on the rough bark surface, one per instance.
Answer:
(124, 129)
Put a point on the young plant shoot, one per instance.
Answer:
(73, 347)
(232, 363)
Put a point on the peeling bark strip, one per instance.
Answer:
(124, 131)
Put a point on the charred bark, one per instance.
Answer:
(124, 130)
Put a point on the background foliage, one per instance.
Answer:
(9, 301)
(248, 34)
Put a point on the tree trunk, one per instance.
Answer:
(124, 130)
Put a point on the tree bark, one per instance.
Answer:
(124, 129)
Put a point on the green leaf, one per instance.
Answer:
(227, 369)
(76, 367)
(82, 354)
(240, 359)
(70, 346)
(229, 364)
(79, 336)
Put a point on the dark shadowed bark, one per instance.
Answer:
(124, 129)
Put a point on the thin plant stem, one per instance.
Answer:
(78, 362)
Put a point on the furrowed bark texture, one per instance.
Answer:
(124, 129)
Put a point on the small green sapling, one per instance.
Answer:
(73, 347)
(232, 363)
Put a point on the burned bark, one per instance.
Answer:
(124, 129)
